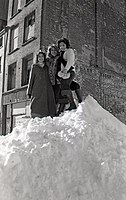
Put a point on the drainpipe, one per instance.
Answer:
(96, 34)
(96, 49)
(4, 109)
(42, 27)
(4, 62)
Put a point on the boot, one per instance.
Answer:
(61, 109)
(79, 95)
(69, 95)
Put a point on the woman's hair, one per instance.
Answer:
(49, 50)
(64, 40)
(40, 52)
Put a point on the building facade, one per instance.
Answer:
(3, 23)
(24, 24)
(96, 30)
(2, 60)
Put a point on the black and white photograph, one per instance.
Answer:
(62, 99)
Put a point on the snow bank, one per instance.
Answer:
(80, 155)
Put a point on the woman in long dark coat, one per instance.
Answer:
(51, 61)
(40, 90)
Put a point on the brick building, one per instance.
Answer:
(96, 30)
(3, 22)
(3, 38)
(24, 29)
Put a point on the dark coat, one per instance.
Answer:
(41, 91)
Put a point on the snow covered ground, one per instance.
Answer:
(80, 155)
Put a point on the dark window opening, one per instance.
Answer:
(16, 6)
(1, 41)
(11, 76)
(29, 27)
(14, 38)
(26, 67)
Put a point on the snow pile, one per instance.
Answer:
(80, 155)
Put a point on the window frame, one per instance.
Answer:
(25, 71)
(1, 41)
(25, 27)
(18, 9)
(10, 46)
(10, 84)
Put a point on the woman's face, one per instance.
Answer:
(40, 58)
(62, 46)
(53, 51)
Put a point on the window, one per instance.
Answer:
(11, 76)
(26, 67)
(1, 41)
(16, 6)
(29, 27)
(14, 38)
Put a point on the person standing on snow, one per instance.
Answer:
(66, 73)
(40, 90)
(51, 61)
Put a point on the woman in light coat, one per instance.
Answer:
(66, 73)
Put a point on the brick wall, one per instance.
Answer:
(51, 22)
(76, 20)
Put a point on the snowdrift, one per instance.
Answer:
(80, 155)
